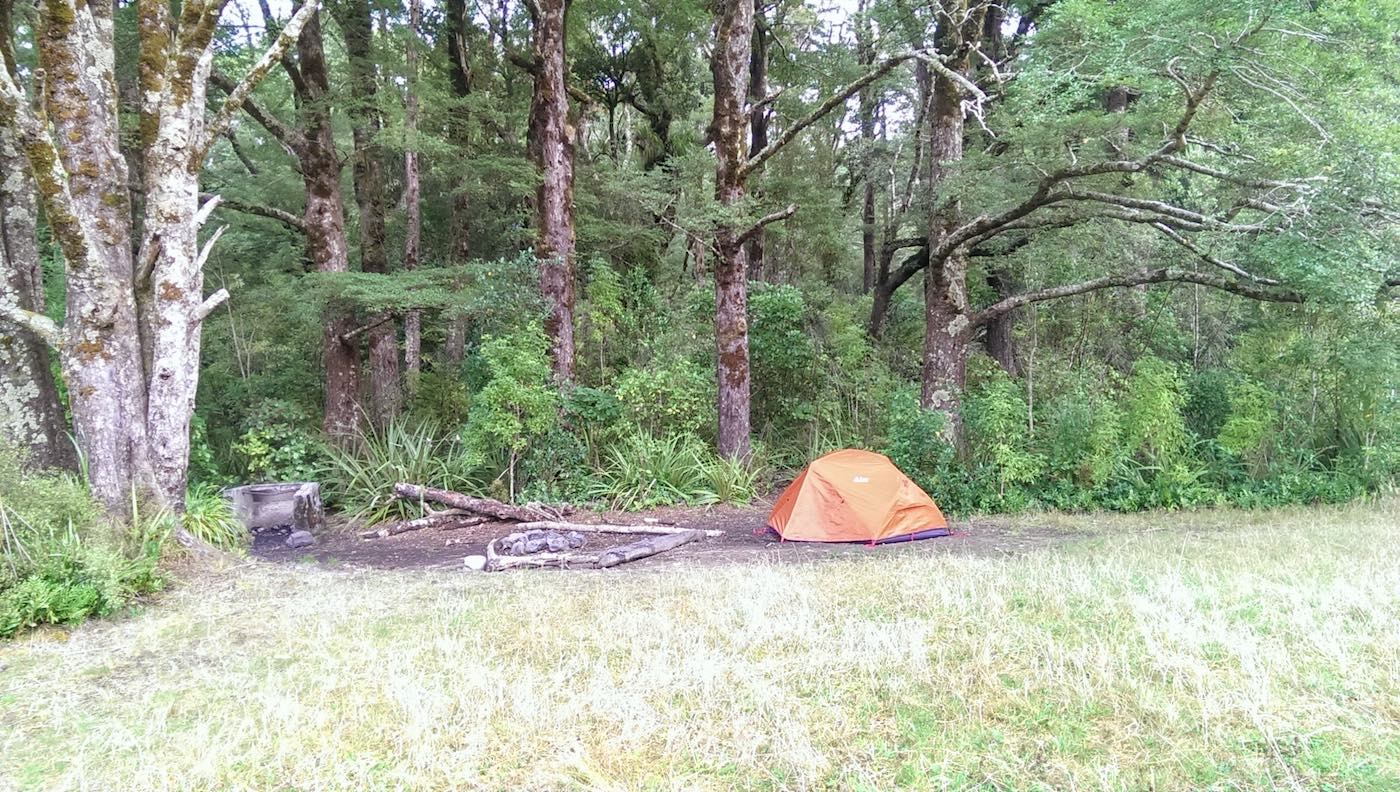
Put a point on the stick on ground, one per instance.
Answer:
(483, 506)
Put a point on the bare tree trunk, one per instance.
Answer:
(552, 150)
(730, 67)
(357, 25)
(413, 218)
(459, 133)
(869, 255)
(325, 232)
(31, 417)
(758, 122)
(947, 324)
(1001, 330)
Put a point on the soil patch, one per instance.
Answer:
(743, 541)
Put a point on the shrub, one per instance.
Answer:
(518, 405)
(60, 562)
(279, 445)
(642, 471)
(672, 397)
(360, 478)
(996, 418)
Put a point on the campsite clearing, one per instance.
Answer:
(1213, 649)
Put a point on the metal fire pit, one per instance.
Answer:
(295, 505)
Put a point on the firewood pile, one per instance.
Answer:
(541, 537)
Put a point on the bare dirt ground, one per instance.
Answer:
(433, 548)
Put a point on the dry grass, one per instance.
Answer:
(1255, 656)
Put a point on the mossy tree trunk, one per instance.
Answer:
(551, 144)
(357, 26)
(31, 417)
(130, 373)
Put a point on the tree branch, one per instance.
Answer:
(767, 219)
(379, 319)
(290, 139)
(239, 94)
(832, 102)
(1139, 277)
(210, 303)
(282, 216)
(40, 325)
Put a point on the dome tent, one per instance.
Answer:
(855, 496)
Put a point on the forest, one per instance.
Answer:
(1115, 283)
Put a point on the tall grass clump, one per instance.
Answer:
(360, 477)
(209, 516)
(640, 472)
(61, 562)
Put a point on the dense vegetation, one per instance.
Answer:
(633, 253)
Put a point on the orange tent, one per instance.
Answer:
(855, 496)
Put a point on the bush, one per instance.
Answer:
(641, 472)
(60, 562)
(360, 478)
(278, 444)
(518, 405)
(670, 398)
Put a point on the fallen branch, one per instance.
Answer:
(655, 530)
(446, 520)
(645, 548)
(483, 506)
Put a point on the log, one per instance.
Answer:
(484, 506)
(645, 548)
(655, 530)
(445, 520)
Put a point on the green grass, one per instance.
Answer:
(1238, 652)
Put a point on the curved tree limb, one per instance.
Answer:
(832, 102)
(239, 93)
(1139, 277)
(768, 219)
(294, 222)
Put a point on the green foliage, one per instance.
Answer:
(996, 416)
(642, 472)
(60, 562)
(209, 516)
(783, 358)
(1153, 399)
(277, 445)
(671, 397)
(360, 477)
(518, 405)
(1247, 433)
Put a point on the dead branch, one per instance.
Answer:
(445, 520)
(483, 506)
(645, 548)
(655, 530)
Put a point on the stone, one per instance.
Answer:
(475, 563)
(300, 539)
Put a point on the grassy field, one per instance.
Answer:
(1215, 650)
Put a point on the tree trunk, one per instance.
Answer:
(355, 22)
(31, 417)
(103, 365)
(459, 133)
(869, 255)
(730, 67)
(758, 123)
(947, 325)
(552, 150)
(413, 218)
(1001, 329)
(325, 233)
